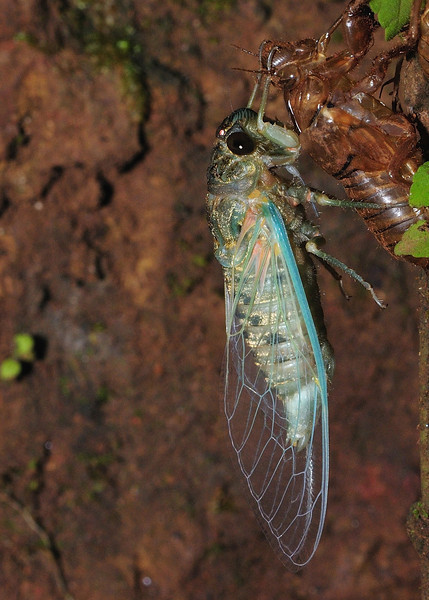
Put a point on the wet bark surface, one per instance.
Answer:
(115, 476)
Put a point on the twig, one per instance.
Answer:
(418, 518)
(46, 539)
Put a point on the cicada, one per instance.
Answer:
(278, 360)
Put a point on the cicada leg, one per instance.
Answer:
(312, 248)
(258, 83)
(301, 194)
(261, 73)
(278, 134)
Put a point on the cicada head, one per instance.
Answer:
(243, 152)
(288, 62)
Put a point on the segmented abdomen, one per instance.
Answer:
(395, 215)
(272, 328)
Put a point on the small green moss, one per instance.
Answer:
(199, 260)
(96, 461)
(179, 287)
(10, 369)
(98, 327)
(23, 354)
(104, 32)
(23, 36)
(123, 46)
(24, 346)
(210, 10)
(98, 487)
(32, 464)
(43, 543)
(102, 395)
(419, 511)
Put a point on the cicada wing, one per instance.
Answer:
(287, 480)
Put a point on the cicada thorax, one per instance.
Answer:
(371, 150)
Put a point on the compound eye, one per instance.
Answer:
(240, 143)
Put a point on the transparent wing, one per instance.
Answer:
(275, 391)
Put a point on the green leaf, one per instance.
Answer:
(415, 241)
(24, 346)
(419, 192)
(392, 15)
(199, 260)
(9, 369)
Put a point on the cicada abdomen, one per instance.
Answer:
(278, 359)
(372, 151)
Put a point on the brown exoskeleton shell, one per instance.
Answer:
(371, 150)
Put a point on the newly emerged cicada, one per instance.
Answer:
(278, 360)
(277, 357)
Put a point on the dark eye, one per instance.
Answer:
(240, 143)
